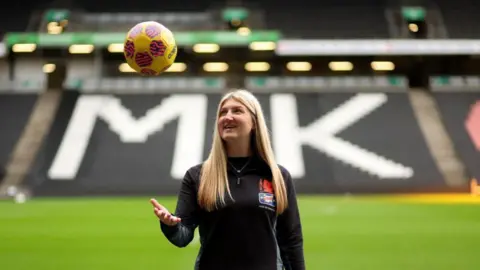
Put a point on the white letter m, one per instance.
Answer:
(189, 109)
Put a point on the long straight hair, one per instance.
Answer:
(213, 178)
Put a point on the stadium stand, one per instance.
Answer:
(332, 21)
(17, 105)
(461, 114)
(459, 20)
(407, 132)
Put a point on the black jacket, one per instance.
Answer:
(247, 234)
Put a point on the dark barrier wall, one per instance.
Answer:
(461, 115)
(138, 144)
(15, 110)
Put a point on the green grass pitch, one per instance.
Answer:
(341, 233)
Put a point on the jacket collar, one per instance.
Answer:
(256, 164)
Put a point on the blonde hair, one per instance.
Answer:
(213, 178)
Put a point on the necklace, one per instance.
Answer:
(237, 170)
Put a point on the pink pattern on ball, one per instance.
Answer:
(157, 48)
(129, 49)
(143, 59)
(152, 30)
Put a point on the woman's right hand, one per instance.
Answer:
(163, 214)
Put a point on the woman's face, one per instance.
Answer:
(235, 121)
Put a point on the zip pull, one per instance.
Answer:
(238, 180)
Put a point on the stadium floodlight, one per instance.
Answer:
(244, 31)
(340, 66)
(413, 27)
(262, 46)
(257, 66)
(382, 65)
(215, 67)
(28, 47)
(125, 68)
(49, 68)
(299, 66)
(115, 48)
(81, 48)
(206, 48)
(54, 28)
(177, 67)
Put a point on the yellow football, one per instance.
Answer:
(150, 48)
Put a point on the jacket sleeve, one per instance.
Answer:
(188, 210)
(289, 230)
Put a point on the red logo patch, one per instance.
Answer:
(266, 186)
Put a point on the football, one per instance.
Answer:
(150, 48)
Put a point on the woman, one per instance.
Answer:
(242, 201)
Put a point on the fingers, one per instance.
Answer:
(156, 204)
(166, 217)
(163, 214)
